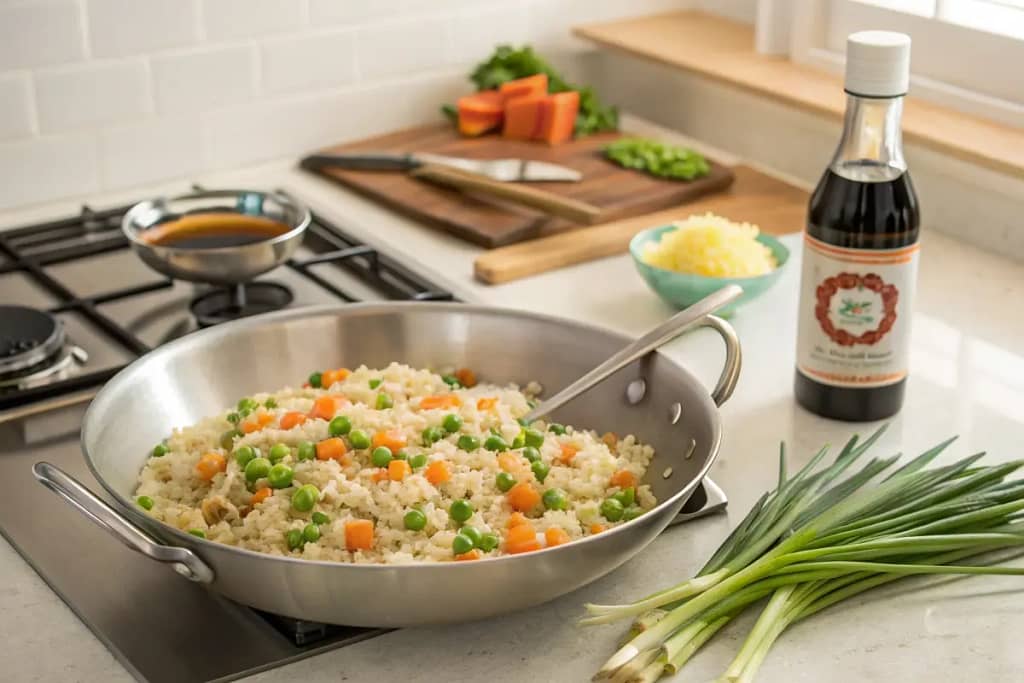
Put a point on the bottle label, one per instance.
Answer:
(855, 310)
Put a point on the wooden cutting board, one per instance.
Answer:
(775, 206)
(490, 222)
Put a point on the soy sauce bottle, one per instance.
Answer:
(861, 248)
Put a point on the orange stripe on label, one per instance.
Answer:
(846, 253)
(854, 379)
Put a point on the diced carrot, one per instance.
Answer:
(380, 474)
(558, 120)
(210, 464)
(531, 85)
(480, 112)
(486, 403)
(332, 449)
(568, 452)
(556, 535)
(359, 534)
(392, 438)
(249, 425)
(466, 377)
(596, 528)
(442, 401)
(610, 439)
(261, 495)
(623, 479)
(517, 518)
(510, 462)
(521, 538)
(398, 470)
(524, 117)
(437, 472)
(326, 407)
(473, 554)
(329, 377)
(292, 419)
(522, 497)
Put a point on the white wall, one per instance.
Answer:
(106, 94)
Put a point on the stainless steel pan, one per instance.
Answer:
(198, 375)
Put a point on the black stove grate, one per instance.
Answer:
(32, 249)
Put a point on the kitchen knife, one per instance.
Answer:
(503, 170)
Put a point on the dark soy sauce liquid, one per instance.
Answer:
(858, 212)
(214, 231)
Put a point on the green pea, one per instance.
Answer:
(632, 512)
(311, 533)
(244, 454)
(432, 435)
(278, 451)
(452, 381)
(233, 418)
(257, 468)
(554, 499)
(504, 481)
(473, 534)
(160, 450)
(556, 428)
(414, 520)
(540, 470)
(198, 533)
(461, 510)
(359, 439)
(145, 502)
(247, 403)
(451, 423)
(462, 544)
(315, 380)
(489, 542)
(320, 518)
(374, 383)
(520, 440)
(305, 497)
(270, 403)
(534, 437)
(418, 461)
(401, 455)
(531, 454)
(523, 422)
(626, 496)
(227, 439)
(244, 412)
(339, 426)
(381, 456)
(280, 476)
(294, 539)
(384, 401)
(612, 510)
(306, 451)
(495, 443)
(468, 443)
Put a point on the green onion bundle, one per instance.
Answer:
(823, 535)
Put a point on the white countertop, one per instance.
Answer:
(967, 378)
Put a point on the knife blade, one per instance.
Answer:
(503, 170)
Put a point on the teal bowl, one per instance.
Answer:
(683, 289)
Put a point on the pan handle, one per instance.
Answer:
(733, 359)
(183, 560)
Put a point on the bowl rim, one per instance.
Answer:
(645, 234)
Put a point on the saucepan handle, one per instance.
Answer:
(733, 359)
(183, 560)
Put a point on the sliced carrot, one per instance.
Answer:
(210, 464)
(522, 497)
(596, 528)
(437, 472)
(473, 554)
(486, 403)
(610, 439)
(558, 119)
(623, 479)
(524, 116)
(392, 438)
(517, 518)
(530, 85)
(261, 495)
(332, 449)
(521, 538)
(441, 401)
(329, 377)
(359, 534)
(326, 407)
(466, 377)
(510, 462)
(380, 474)
(249, 425)
(568, 452)
(480, 112)
(556, 535)
(398, 470)
(292, 419)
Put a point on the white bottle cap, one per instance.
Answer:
(877, 63)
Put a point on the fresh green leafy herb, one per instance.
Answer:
(657, 159)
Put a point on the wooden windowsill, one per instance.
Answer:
(723, 50)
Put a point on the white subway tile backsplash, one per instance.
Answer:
(306, 62)
(203, 79)
(352, 11)
(40, 33)
(400, 48)
(229, 19)
(44, 168)
(129, 27)
(475, 32)
(15, 106)
(94, 94)
(153, 150)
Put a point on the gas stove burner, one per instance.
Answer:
(33, 347)
(241, 301)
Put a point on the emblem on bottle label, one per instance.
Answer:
(854, 319)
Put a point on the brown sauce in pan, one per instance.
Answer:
(213, 231)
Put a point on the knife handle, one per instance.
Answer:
(370, 161)
(556, 205)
